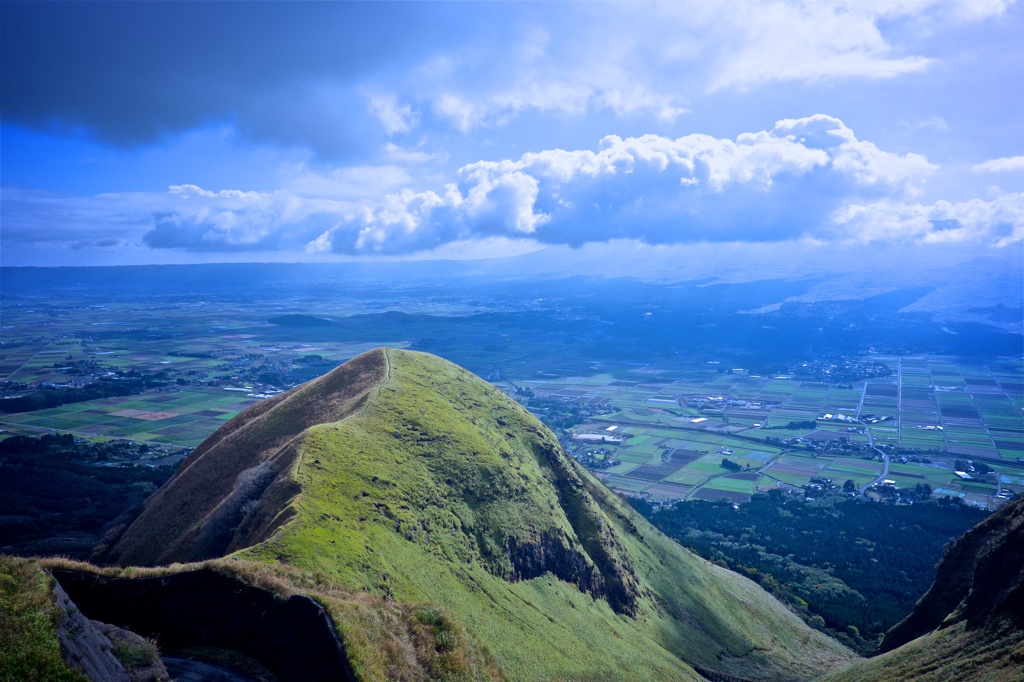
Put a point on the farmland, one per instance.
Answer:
(787, 433)
(209, 365)
(669, 406)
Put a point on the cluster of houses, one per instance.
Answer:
(843, 370)
(719, 402)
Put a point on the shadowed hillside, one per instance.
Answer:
(405, 477)
(970, 624)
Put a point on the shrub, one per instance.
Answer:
(136, 654)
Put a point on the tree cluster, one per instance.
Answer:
(45, 398)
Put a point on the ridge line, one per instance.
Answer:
(302, 454)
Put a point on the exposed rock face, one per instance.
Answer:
(93, 647)
(294, 638)
(618, 576)
(553, 554)
(84, 646)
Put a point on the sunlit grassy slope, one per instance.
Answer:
(433, 487)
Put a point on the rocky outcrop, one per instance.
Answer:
(104, 652)
(84, 647)
(139, 656)
(619, 582)
(553, 554)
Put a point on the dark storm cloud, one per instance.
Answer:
(130, 72)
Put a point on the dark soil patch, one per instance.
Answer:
(960, 412)
(683, 457)
(654, 473)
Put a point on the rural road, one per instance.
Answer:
(885, 460)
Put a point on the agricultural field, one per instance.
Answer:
(206, 363)
(667, 423)
(927, 415)
(180, 417)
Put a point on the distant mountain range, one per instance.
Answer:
(952, 283)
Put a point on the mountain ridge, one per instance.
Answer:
(258, 446)
(405, 477)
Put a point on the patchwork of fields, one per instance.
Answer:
(181, 417)
(200, 350)
(929, 413)
(679, 418)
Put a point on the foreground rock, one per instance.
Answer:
(103, 652)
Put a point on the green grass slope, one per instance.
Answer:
(29, 649)
(970, 624)
(438, 489)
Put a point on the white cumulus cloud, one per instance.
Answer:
(1006, 164)
(777, 184)
(998, 221)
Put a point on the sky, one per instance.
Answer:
(153, 132)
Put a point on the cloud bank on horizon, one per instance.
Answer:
(157, 132)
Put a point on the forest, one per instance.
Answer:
(849, 567)
(62, 496)
(128, 383)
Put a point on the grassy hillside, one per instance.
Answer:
(430, 487)
(29, 650)
(970, 624)
(954, 654)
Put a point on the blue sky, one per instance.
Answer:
(213, 132)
